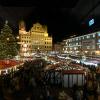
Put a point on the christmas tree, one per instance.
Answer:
(8, 43)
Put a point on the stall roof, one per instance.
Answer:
(73, 72)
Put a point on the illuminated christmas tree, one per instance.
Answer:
(8, 43)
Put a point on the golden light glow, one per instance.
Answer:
(46, 35)
(36, 38)
(97, 52)
(24, 49)
(25, 45)
(86, 51)
(17, 37)
(7, 39)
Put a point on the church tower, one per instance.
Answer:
(22, 25)
(24, 36)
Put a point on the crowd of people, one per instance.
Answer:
(28, 83)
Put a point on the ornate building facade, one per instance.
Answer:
(36, 39)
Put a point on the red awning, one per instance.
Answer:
(73, 72)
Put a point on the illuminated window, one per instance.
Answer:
(76, 43)
(93, 35)
(88, 47)
(24, 49)
(45, 35)
(75, 48)
(99, 40)
(98, 34)
(25, 45)
(76, 38)
(88, 36)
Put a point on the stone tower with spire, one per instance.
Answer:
(22, 25)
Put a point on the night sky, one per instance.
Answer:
(63, 21)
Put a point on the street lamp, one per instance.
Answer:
(7, 39)
(17, 37)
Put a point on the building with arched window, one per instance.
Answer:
(36, 39)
